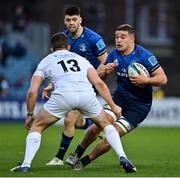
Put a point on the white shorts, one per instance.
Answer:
(86, 102)
(103, 104)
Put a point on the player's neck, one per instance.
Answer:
(78, 33)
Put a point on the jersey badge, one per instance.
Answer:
(82, 47)
(100, 44)
(153, 60)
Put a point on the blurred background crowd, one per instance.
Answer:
(26, 26)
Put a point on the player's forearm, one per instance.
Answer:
(31, 101)
(105, 93)
(101, 70)
(157, 80)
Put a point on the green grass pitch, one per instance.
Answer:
(154, 151)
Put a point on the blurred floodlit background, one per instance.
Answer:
(26, 26)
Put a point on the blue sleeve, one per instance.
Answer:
(151, 63)
(99, 47)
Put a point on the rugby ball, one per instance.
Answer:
(137, 68)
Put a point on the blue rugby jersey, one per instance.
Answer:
(124, 86)
(90, 45)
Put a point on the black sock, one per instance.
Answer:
(65, 142)
(87, 123)
(79, 150)
(85, 160)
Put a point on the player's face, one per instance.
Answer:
(72, 22)
(124, 41)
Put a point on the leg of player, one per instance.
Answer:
(123, 127)
(90, 135)
(101, 148)
(111, 134)
(67, 136)
(73, 119)
(42, 120)
(112, 137)
(83, 123)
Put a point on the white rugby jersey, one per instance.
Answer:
(66, 70)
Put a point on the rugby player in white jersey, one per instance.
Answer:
(72, 77)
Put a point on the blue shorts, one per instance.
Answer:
(133, 111)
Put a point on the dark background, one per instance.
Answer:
(157, 25)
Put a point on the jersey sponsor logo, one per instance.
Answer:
(100, 44)
(153, 60)
(122, 74)
(82, 47)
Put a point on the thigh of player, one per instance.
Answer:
(43, 119)
(131, 118)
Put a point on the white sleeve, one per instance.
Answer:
(41, 70)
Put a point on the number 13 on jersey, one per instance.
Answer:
(73, 65)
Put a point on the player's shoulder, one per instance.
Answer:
(147, 57)
(77, 56)
(44, 61)
(142, 51)
(91, 35)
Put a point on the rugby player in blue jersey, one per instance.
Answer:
(134, 100)
(91, 46)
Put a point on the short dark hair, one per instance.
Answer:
(72, 10)
(126, 27)
(59, 41)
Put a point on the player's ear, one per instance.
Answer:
(80, 20)
(132, 38)
(69, 46)
(51, 49)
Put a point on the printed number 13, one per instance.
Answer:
(74, 65)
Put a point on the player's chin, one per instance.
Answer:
(120, 48)
(72, 29)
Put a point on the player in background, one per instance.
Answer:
(73, 77)
(135, 101)
(91, 46)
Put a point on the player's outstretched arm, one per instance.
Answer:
(31, 99)
(103, 90)
(104, 70)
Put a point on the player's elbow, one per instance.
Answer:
(99, 84)
(164, 81)
(32, 92)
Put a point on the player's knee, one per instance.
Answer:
(69, 121)
(122, 126)
(103, 120)
(72, 117)
(106, 146)
(111, 116)
(74, 114)
(80, 121)
(94, 130)
(38, 126)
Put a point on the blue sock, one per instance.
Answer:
(87, 123)
(85, 160)
(79, 150)
(65, 142)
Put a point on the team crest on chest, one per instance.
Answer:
(82, 47)
(124, 70)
